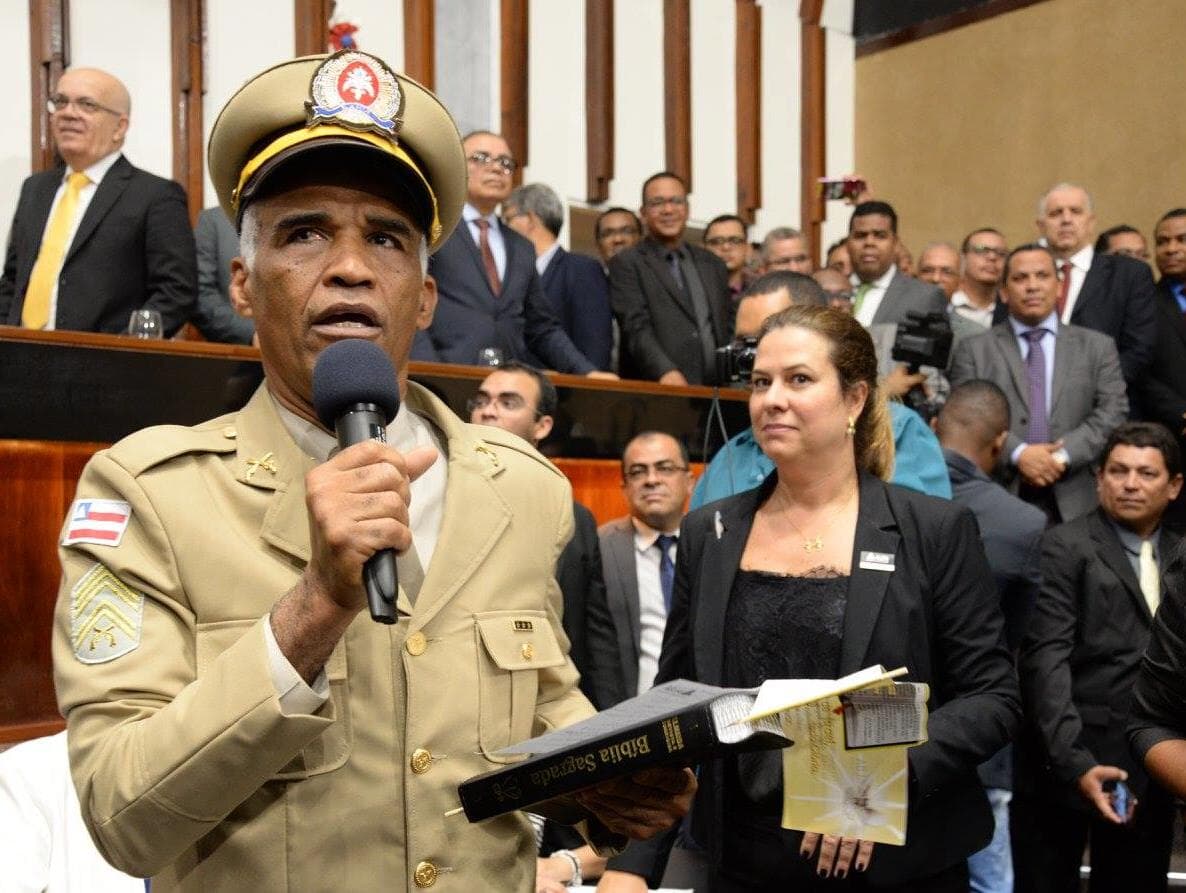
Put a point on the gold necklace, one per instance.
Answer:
(816, 544)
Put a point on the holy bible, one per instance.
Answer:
(678, 723)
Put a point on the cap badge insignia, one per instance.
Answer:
(106, 616)
(356, 90)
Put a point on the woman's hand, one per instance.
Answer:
(837, 854)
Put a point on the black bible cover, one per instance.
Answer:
(676, 723)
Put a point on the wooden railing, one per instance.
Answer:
(64, 395)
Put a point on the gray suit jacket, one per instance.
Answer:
(908, 295)
(1088, 400)
(218, 245)
(621, 590)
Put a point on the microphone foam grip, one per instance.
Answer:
(350, 372)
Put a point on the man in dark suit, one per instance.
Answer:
(576, 285)
(96, 239)
(520, 399)
(218, 244)
(671, 298)
(973, 426)
(1160, 396)
(883, 294)
(638, 551)
(1109, 293)
(488, 292)
(1079, 662)
(1064, 385)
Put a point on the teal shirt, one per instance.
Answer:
(741, 465)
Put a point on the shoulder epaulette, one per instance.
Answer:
(149, 447)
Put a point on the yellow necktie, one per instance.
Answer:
(1150, 579)
(35, 312)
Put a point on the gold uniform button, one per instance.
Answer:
(416, 644)
(426, 874)
(421, 760)
(528, 651)
(229, 432)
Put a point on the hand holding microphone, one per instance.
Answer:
(358, 500)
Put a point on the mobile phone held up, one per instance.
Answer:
(841, 188)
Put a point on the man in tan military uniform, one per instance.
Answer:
(234, 721)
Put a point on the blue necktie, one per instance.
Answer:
(666, 566)
(676, 272)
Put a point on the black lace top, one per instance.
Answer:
(779, 627)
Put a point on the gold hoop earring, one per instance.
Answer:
(852, 427)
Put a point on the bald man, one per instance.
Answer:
(96, 238)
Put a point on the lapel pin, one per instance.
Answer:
(718, 524)
(267, 462)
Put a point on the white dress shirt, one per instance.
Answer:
(1080, 264)
(95, 173)
(874, 296)
(652, 607)
(962, 304)
(541, 262)
(425, 513)
(498, 245)
(1049, 345)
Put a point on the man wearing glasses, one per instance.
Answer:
(638, 551)
(96, 238)
(725, 236)
(671, 298)
(983, 260)
(491, 306)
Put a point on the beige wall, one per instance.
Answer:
(969, 127)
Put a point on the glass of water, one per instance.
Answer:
(491, 356)
(146, 324)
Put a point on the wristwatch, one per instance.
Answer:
(575, 880)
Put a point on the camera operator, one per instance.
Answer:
(741, 465)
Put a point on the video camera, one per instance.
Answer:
(735, 362)
(923, 340)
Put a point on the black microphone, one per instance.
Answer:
(355, 392)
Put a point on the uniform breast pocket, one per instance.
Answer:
(330, 749)
(512, 647)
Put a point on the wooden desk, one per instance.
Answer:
(64, 395)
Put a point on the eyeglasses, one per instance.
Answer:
(504, 163)
(658, 201)
(59, 102)
(637, 473)
(721, 241)
(942, 271)
(988, 250)
(628, 230)
(506, 402)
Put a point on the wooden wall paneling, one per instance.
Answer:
(677, 87)
(39, 482)
(513, 80)
(748, 87)
(599, 99)
(420, 41)
(49, 54)
(188, 35)
(813, 105)
(312, 26)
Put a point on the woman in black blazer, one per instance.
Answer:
(822, 570)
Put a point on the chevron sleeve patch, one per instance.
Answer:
(106, 616)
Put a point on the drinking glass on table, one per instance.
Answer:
(146, 324)
(491, 356)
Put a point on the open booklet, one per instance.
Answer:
(676, 723)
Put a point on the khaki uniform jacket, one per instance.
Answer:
(186, 768)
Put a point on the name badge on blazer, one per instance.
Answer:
(877, 561)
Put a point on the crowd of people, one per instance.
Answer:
(1024, 486)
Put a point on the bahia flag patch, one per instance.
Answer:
(101, 522)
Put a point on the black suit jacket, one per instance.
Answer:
(1117, 299)
(133, 249)
(469, 316)
(1161, 394)
(657, 320)
(579, 291)
(592, 639)
(936, 613)
(1081, 654)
